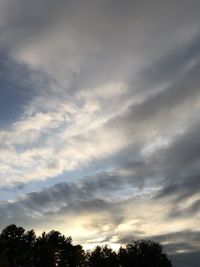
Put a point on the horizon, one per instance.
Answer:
(99, 121)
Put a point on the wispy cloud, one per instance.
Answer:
(110, 89)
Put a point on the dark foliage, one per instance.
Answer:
(143, 253)
(20, 248)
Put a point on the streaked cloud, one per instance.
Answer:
(109, 90)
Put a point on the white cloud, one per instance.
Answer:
(115, 84)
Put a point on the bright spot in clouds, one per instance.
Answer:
(103, 143)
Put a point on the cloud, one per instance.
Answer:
(186, 259)
(110, 89)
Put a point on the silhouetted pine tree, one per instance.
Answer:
(19, 248)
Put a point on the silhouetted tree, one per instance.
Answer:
(13, 239)
(20, 248)
(44, 252)
(102, 256)
(29, 248)
(3, 255)
(54, 249)
(143, 253)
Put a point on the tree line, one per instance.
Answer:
(21, 248)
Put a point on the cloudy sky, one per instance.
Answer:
(99, 120)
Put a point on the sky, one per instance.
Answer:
(99, 121)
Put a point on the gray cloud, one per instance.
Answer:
(180, 164)
(156, 110)
(182, 247)
(186, 259)
(112, 88)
